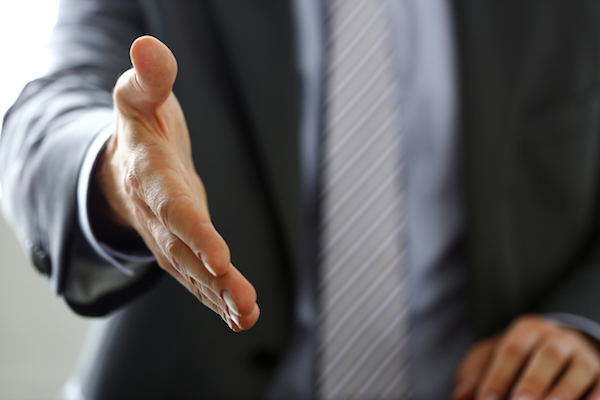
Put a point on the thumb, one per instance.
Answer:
(149, 83)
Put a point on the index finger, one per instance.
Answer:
(512, 352)
(472, 368)
(170, 198)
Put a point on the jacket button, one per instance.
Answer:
(41, 260)
(264, 360)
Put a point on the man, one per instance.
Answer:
(529, 85)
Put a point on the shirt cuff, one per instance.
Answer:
(585, 325)
(117, 259)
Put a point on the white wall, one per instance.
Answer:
(40, 337)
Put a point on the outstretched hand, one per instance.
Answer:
(148, 177)
(534, 358)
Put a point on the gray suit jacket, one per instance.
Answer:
(531, 100)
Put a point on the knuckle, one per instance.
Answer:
(198, 293)
(529, 320)
(513, 348)
(172, 250)
(202, 281)
(138, 214)
(171, 247)
(162, 208)
(564, 335)
(202, 297)
(555, 350)
(131, 181)
(157, 233)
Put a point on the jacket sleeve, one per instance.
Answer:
(46, 135)
(577, 293)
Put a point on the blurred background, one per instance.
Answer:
(40, 338)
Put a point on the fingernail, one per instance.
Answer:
(492, 396)
(230, 303)
(234, 317)
(206, 264)
(524, 396)
(236, 328)
(228, 322)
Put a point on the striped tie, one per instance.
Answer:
(362, 352)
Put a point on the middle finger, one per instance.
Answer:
(547, 361)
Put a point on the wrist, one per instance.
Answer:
(106, 207)
(105, 192)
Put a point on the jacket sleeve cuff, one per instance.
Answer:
(585, 325)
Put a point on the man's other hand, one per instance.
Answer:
(533, 359)
(148, 178)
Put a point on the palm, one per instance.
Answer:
(150, 181)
